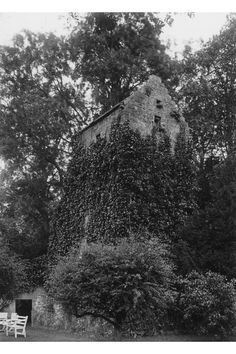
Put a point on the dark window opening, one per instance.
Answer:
(158, 126)
(157, 119)
(158, 104)
(24, 308)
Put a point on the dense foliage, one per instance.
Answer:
(208, 92)
(127, 284)
(13, 277)
(115, 52)
(39, 113)
(205, 304)
(124, 185)
(210, 234)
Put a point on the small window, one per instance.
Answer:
(158, 125)
(158, 104)
(157, 119)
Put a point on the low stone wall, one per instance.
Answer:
(51, 314)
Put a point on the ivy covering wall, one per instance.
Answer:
(123, 186)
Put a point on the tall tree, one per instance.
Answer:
(209, 93)
(114, 52)
(41, 108)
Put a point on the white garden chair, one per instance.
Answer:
(3, 318)
(14, 316)
(18, 326)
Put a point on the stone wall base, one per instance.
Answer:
(51, 314)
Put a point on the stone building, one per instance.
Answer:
(150, 110)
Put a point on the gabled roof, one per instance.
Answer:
(104, 115)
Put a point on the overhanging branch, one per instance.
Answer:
(97, 315)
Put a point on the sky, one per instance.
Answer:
(183, 30)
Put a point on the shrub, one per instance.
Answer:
(13, 278)
(205, 304)
(127, 284)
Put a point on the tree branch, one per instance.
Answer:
(97, 315)
(59, 170)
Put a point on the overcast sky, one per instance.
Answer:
(182, 31)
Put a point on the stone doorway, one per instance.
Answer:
(24, 308)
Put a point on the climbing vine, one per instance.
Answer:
(122, 186)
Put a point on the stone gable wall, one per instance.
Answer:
(150, 110)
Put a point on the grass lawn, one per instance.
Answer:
(49, 335)
(43, 335)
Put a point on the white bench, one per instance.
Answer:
(18, 326)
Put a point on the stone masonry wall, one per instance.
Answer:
(51, 314)
(150, 110)
(101, 127)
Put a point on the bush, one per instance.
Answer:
(13, 278)
(127, 284)
(205, 304)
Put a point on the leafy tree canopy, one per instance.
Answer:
(208, 91)
(118, 51)
(41, 107)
